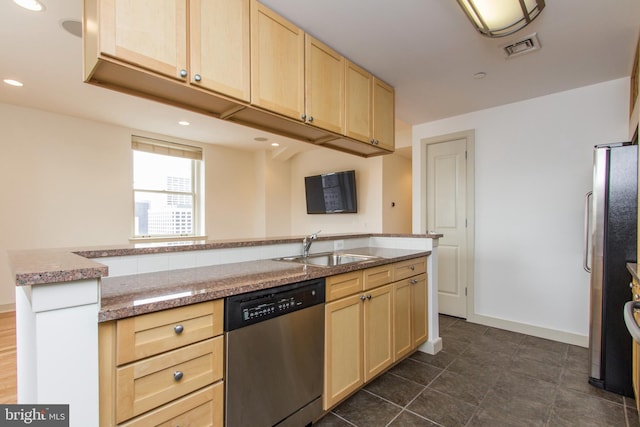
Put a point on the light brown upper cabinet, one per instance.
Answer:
(358, 102)
(146, 33)
(219, 46)
(277, 63)
(370, 108)
(383, 115)
(324, 86)
(238, 61)
(157, 37)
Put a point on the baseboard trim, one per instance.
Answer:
(536, 331)
(431, 346)
(4, 308)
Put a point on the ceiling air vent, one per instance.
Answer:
(526, 45)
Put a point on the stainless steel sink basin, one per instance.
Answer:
(329, 259)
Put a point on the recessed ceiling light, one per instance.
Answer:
(275, 144)
(33, 5)
(260, 139)
(184, 123)
(13, 82)
(480, 75)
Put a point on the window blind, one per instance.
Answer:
(156, 146)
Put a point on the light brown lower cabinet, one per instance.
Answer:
(163, 368)
(366, 332)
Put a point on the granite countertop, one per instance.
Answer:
(126, 296)
(42, 266)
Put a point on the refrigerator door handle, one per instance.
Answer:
(587, 230)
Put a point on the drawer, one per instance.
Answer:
(147, 384)
(202, 408)
(342, 285)
(154, 333)
(378, 276)
(408, 268)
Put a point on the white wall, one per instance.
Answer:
(533, 167)
(67, 182)
(396, 194)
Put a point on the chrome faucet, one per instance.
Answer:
(307, 241)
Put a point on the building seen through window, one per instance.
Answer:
(166, 181)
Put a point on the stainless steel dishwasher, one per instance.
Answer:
(274, 356)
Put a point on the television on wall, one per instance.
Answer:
(331, 193)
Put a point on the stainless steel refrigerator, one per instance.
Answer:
(611, 230)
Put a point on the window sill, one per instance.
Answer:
(167, 239)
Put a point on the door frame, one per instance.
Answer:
(469, 136)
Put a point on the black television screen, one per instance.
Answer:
(331, 193)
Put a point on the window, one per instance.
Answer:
(166, 189)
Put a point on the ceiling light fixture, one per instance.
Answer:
(32, 5)
(13, 82)
(184, 123)
(499, 18)
(275, 144)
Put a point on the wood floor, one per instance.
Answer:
(8, 358)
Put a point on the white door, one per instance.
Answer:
(446, 214)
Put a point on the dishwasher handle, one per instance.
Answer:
(630, 321)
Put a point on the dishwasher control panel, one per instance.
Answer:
(247, 309)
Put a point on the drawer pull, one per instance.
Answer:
(178, 329)
(177, 375)
(413, 281)
(413, 267)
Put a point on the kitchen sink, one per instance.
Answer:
(329, 259)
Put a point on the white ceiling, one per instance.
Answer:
(426, 49)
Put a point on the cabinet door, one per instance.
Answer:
(277, 63)
(148, 33)
(324, 86)
(343, 354)
(358, 103)
(383, 114)
(378, 332)
(219, 46)
(402, 318)
(419, 318)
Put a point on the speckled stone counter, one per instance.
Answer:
(127, 296)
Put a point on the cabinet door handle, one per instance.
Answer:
(310, 119)
(183, 73)
(362, 297)
(413, 267)
(413, 281)
(197, 77)
(303, 116)
(368, 296)
(178, 329)
(177, 375)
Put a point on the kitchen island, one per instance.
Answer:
(62, 296)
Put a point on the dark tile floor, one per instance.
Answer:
(486, 377)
